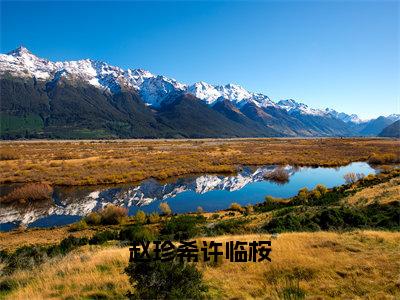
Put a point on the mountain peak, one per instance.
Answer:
(21, 50)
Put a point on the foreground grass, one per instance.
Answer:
(355, 264)
(106, 162)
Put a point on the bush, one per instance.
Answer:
(231, 226)
(103, 236)
(154, 218)
(140, 217)
(93, 218)
(383, 159)
(279, 175)
(249, 209)
(165, 280)
(27, 257)
(376, 216)
(112, 215)
(236, 207)
(271, 203)
(137, 233)
(199, 210)
(80, 225)
(322, 189)
(182, 227)
(302, 196)
(351, 178)
(29, 192)
(165, 209)
(70, 243)
(8, 154)
(214, 216)
(7, 285)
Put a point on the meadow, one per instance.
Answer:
(122, 161)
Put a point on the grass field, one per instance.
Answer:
(121, 161)
(359, 264)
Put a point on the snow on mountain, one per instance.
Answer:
(393, 117)
(152, 88)
(292, 106)
(353, 118)
(204, 91)
(233, 92)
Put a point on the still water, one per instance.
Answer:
(211, 192)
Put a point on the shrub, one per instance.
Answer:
(29, 192)
(93, 218)
(103, 236)
(112, 215)
(302, 196)
(182, 227)
(271, 203)
(7, 285)
(249, 209)
(154, 218)
(378, 216)
(231, 226)
(80, 225)
(351, 178)
(137, 233)
(8, 154)
(236, 207)
(214, 216)
(279, 175)
(383, 158)
(322, 189)
(140, 217)
(70, 243)
(165, 209)
(165, 280)
(27, 257)
(199, 210)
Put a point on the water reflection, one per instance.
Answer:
(212, 192)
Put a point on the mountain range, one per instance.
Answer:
(92, 99)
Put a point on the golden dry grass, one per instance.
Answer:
(359, 264)
(383, 193)
(101, 162)
(11, 240)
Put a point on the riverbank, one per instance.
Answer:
(111, 162)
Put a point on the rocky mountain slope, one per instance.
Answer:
(91, 99)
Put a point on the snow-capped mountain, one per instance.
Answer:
(154, 89)
(129, 103)
(291, 106)
(353, 118)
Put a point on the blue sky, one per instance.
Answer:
(343, 55)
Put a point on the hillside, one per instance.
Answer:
(393, 130)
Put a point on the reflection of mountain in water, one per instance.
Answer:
(78, 201)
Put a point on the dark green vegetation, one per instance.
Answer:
(321, 209)
(165, 280)
(28, 257)
(69, 109)
(392, 130)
